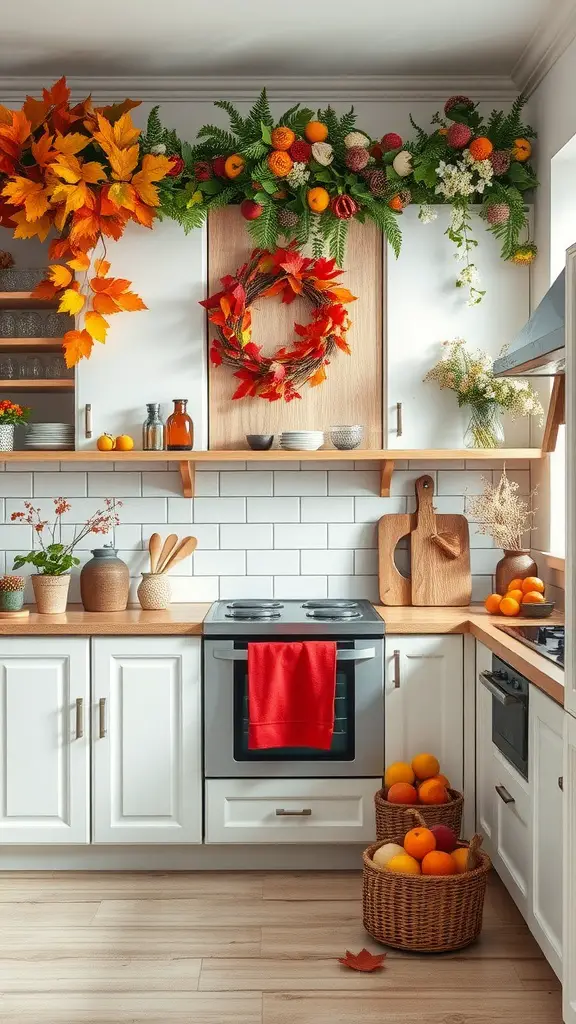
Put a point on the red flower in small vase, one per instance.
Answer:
(177, 166)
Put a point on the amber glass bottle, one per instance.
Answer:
(179, 428)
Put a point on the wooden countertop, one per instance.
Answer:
(177, 620)
(475, 620)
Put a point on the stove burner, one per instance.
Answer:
(253, 614)
(255, 604)
(334, 614)
(330, 604)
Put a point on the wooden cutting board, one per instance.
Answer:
(394, 588)
(440, 553)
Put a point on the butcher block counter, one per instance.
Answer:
(177, 620)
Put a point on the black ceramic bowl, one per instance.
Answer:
(260, 442)
(537, 611)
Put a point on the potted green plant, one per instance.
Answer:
(11, 415)
(54, 559)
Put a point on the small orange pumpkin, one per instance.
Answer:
(280, 163)
(282, 137)
(480, 148)
(521, 150)
(234, 165)
(396, 204)
(318, 199)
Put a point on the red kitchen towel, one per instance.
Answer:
(291, 690)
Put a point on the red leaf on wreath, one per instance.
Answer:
(362, 961)
(215, 356)
(325, 269)
(245, 389)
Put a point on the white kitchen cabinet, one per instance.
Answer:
(425, 308)
(44, 740)
(157, 354)
(424, 709)
(486, 796)
(546, 774)
(569, 846)
(147, 770)
(511, 845)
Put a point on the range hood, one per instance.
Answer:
(538, 350)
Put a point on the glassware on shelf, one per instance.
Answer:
(179, 428)
(28, 324)
(20, 279)
(34, 368)
(7, 368)
(153, 429)
(55, 325)
(56, 368)
(8, 322)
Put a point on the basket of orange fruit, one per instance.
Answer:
(421, 784)
(425, 891)
(523, 597)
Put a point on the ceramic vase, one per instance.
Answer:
(105, 582)
(12, 593)
(514, 565)
(6, 437)
(51, 593)
(154, 591)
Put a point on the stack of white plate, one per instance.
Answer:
(301, 440)
(50, 436)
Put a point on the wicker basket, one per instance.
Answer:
(424, 913)
(394, 819)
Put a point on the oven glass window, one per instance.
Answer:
(342, 748)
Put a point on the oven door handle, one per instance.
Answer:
(501, 695)
(364, 654)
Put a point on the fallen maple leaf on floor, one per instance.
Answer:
(362, 961)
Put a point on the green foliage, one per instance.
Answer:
(260, 113)
(237, 123)
(338, 128)
(54, 560)
(297, 118)
(509, 233)
(303, 228)
(154, 129)
(502, 129)
(221, 141)
(387, 220)
(156, 134)
(265, 229)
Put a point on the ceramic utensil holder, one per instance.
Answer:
(154, 591)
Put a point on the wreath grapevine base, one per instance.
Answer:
(286, 273)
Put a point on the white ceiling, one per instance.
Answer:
(267, 37)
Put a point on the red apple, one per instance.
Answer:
(446, 838)
(251, 210)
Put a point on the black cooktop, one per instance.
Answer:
(547, 640)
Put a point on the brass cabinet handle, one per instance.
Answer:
(398, 419)
(102, 715)
(561, 782)
(396, 670)
(504, 794)
(88, 420)
(304, 813)
(79, 717)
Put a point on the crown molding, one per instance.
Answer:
(551, 38)
(343, 89)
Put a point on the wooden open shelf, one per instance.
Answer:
(187, 461)
(30, 344)
(24, 300)
(38, 384)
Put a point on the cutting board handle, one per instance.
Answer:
(424, 501)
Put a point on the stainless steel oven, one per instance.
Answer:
(509, 712)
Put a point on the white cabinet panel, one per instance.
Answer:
(512, 850)
(147, 784)
(44, 739)
(290, 810)
(486, 796)
(424, 710)
(425, 308)
(157, 354)
(569, 849)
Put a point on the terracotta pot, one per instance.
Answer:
(514, 565)
(51, 593)
(154, 591)
(105, 582)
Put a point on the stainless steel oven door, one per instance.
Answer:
(358, 742)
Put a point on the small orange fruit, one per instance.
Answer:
(425, 766)
(480, 148)
(441, 778)
(432, 792)
(515, 585)
(492, 603)
(404, 863)
(508, 606)
(516, 595)
(105, 443)
(419, 841)
(280, 163)
(400, 771)
(318, 199)
(316, 131)
(438, 863)
(533, 583)
(396, 204)
(282, 137)
(460, 858)
(234, 165)
(402, 793)
(533, 597)
(124, 443)
(521, 150)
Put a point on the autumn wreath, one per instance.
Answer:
(284, 272)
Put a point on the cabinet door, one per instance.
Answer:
(147, 781)
(156, 354)
(512, 854)
(546, 775)
(44, 735)
(486, 796)
(424, 709)
(425, 308)
(569, 844)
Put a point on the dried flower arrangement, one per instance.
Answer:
(56, 558)
(502, 514)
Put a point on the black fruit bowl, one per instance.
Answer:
(260, 442)
(537, 611)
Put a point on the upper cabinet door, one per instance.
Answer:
(147, 773)
(157, 354)
(425, 308)
(44, 740)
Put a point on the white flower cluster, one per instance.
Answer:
(298, 175)
(465, 177)
(469, 275)
(427, 214)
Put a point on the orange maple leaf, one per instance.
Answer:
(112, 295)
(96, 326)
(59, 94)
(77, 345)
(80, 262)
(12, 138)
(59, 276)
(35, 110)
(76, 177)
(121, 135)
(154, 168)
(72, 143)
(72, 301)
(30, 194)
(42, 149)
(44, 290)
(31, 229)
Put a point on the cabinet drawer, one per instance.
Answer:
(514, 812)
(290, 810)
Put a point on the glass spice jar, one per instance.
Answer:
(153, 430)
(179, 428)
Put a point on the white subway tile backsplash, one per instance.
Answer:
(520, 477)
(481, 587)
(245, 484)
(206, 534)
(452, 482)
(404, 483)
(75, 467)
(161, 484)
(225, 466)
(180, 510)
(352, 535)
(325, 510)
(206, 484)
(272, 466)
(194, 588)
(425, 466)
(277, 563)
(140, 510)
(117, 485)
(300, 535)
(483, 560)
(368, 510)
(220, 510)
(32, 467)
(16, 485)
(216, 563)
(300, 587)
(479, 540)
(300, 484)
(246, 535)
(313, 467)
(366, 562)
(273, 510)
(135, 467)
(359, 482)
(243, 587)
(55, 485)
(355, 587)
(16, 537)
(327, 560)
(448, 504)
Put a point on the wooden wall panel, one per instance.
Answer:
(353, 390)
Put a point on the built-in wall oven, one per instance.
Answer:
(357, 747)
(510, 693)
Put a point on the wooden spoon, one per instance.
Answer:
(154, 545)
(186, 547)
(167, 549)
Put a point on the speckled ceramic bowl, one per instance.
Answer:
(346, 436)
(537, 611)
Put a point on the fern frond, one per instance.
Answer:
(154, 129)
(421, 135)
(509, 233)
(221, 140)
(260, 113)
(254, 150)
(303, 228)
(387, 221)
(337, 245)
(237, 122)
(265, 229)
(226, 196)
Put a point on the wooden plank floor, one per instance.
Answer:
(249, 948)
